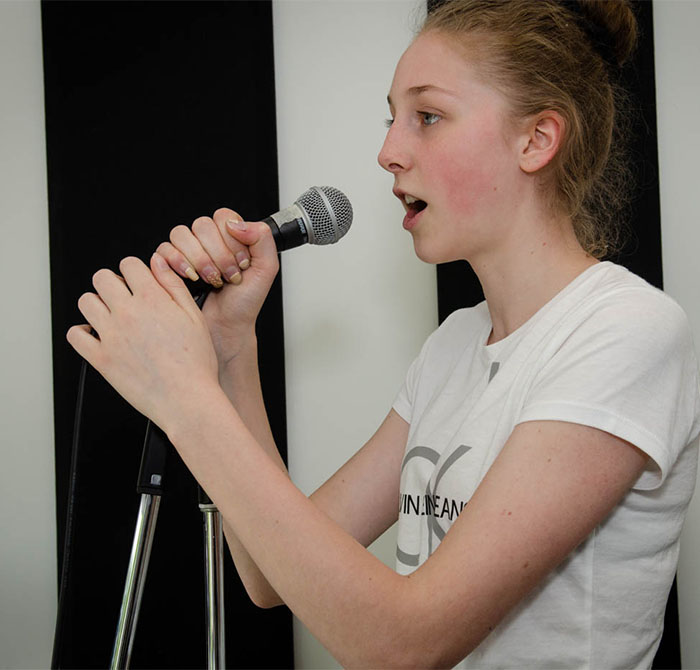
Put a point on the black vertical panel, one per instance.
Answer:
(156, 113)
(458, 285)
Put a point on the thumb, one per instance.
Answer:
(257, 236)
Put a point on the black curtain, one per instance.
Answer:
(156, 113)
(459, 287)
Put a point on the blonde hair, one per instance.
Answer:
(561, 56)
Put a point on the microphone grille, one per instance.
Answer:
(329, 214)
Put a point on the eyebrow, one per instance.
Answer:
(417, 90)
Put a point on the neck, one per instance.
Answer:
(522, 276)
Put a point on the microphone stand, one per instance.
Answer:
(150, 486)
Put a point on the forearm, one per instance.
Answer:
(346, 596)
(239, 377)
(240, 381)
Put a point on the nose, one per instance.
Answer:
(391, 157)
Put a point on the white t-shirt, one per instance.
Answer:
(611, 352)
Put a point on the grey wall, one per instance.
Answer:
(27, 523)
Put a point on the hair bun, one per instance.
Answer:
(616, 18)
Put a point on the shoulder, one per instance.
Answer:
(460, 334)
(623, 307)
(463, 326)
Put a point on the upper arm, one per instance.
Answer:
(362, 496)
(551, 485)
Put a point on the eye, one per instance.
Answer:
(388, 122)
(429, 118)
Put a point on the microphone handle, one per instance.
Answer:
(288, 229)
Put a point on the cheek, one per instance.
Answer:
(473, 172)
(470, 184)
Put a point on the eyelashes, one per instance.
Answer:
(427, 119)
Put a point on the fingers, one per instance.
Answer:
(222, 217)
(149, 282)
(257, 237)
(172, 283)
(177, 260)
(207, 250)
(111, 287)
(86, 344)
(93, 308)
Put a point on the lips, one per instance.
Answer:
(413, 206)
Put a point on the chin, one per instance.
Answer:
(432, 253)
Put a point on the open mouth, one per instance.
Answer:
(414, 205)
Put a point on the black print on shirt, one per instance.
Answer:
(430, 505)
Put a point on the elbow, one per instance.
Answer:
(267, 603)
(260, 592)
(264, 598)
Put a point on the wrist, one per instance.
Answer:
(231, 346)
(188, 415)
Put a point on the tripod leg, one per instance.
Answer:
(214, 568)
(135, 579)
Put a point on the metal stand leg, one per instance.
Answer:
(214, 569)
(135, 580)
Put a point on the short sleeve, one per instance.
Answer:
(460, 332)
(405, 399)
(629, 369)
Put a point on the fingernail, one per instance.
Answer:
(236, 278)
(236, 224)
(230, 273)
(191, 274)
(243, 261)
(213, 277)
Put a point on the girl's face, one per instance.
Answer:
(454, 161)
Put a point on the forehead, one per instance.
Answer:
(436, 61)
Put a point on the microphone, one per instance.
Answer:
(321, 215)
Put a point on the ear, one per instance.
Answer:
(542, 138)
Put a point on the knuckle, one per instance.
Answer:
(226, 213)
(264, 231)
(202, 224)
(128, 262)
(178, 233)
(100, 276)
(165, 249)
(83, 300)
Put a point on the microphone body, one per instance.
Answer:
(321, 215)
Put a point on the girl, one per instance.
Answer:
(542, 450)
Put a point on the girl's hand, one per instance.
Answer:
(152, 343)
(238, 258)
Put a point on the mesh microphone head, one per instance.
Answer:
(328, 214)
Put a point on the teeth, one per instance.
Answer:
(410, 199)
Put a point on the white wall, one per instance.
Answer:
(27, 511)
(678, 115)
(356, 313)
